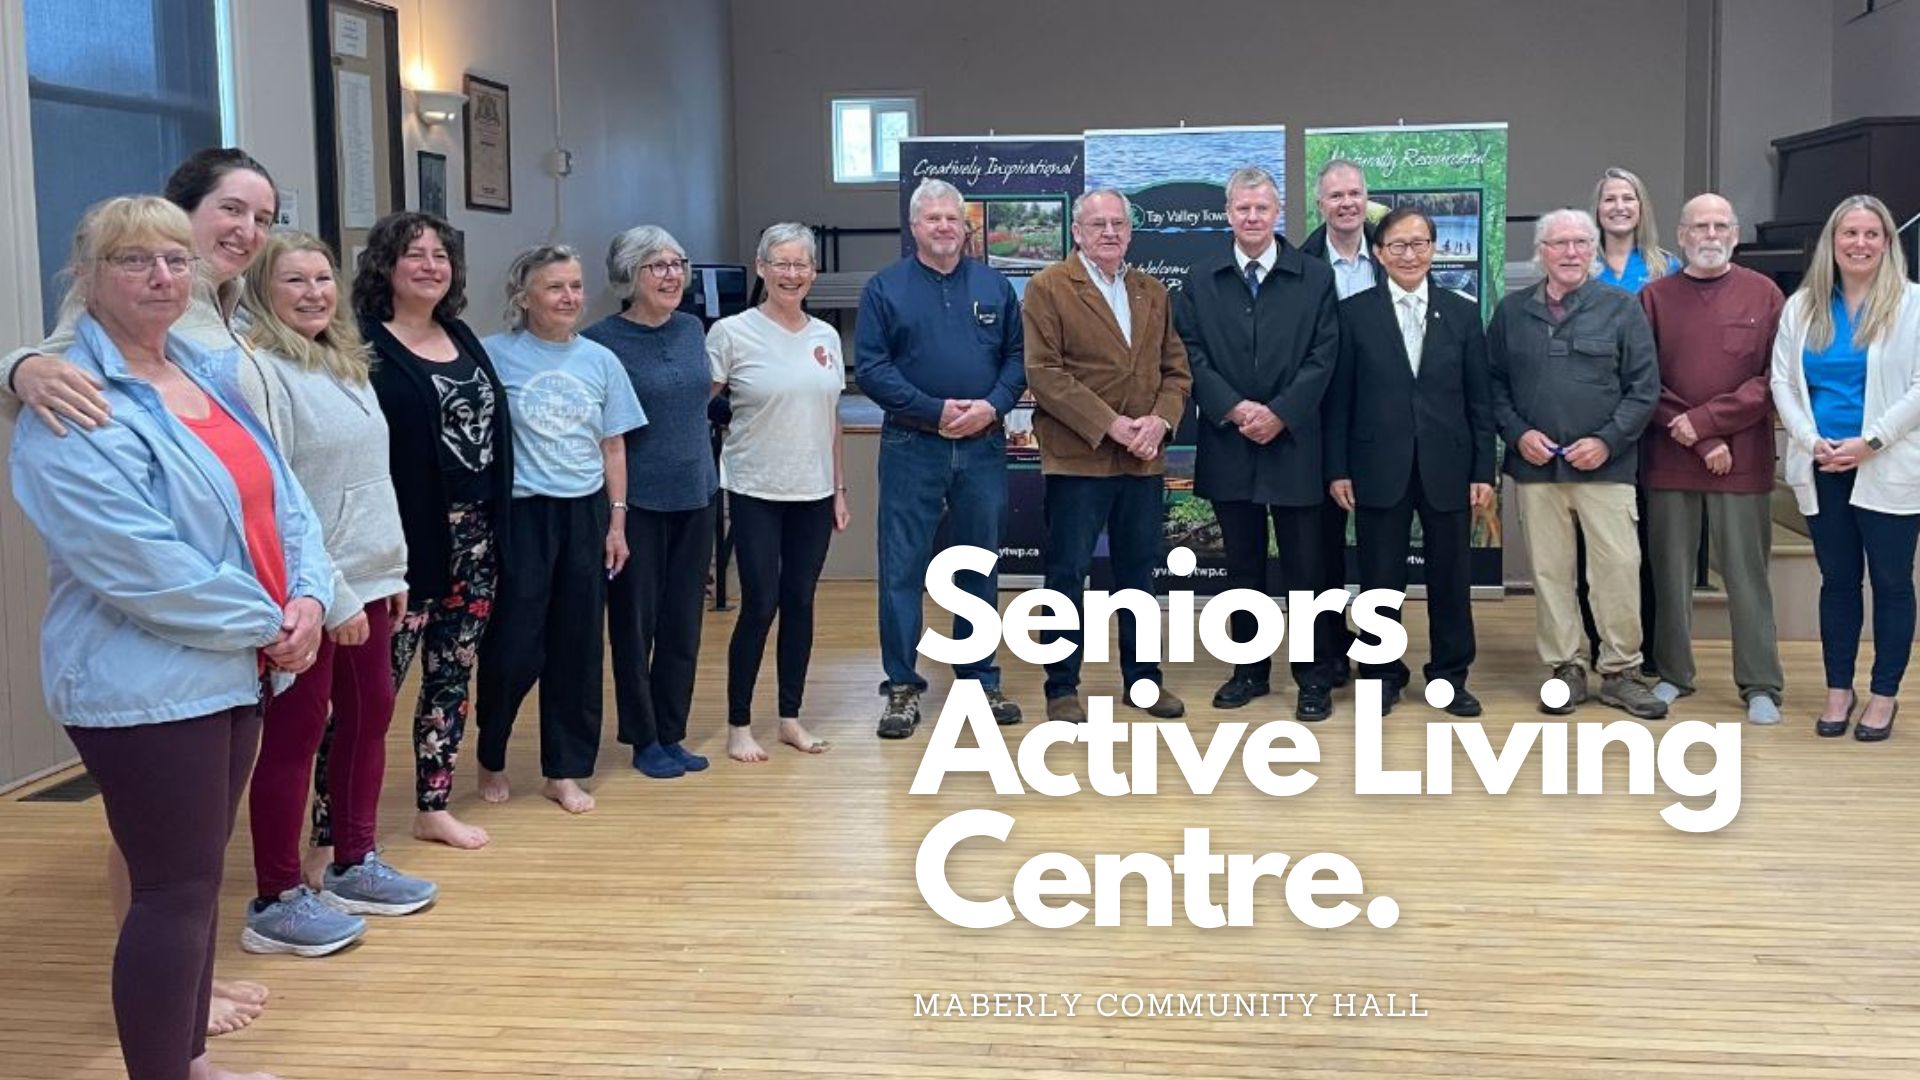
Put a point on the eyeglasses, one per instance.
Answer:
(1710, 227)
(1096, 226)
(141, 262)
(665, 267)
(790, 267)
(1398, 248)
(1573, 243)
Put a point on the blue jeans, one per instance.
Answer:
(921, 475)
(1850, 543)
(1129, 509)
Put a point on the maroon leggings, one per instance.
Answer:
(171, 790)
(357, 682)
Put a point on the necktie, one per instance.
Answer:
(1253, 278)
(1410, 330)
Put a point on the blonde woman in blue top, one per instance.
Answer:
(1630, 254)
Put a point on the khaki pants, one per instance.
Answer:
(1607, 516)
(1740, 536)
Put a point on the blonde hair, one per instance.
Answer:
(1646, 235)
(1883, 293)
(113, 224)
(338, 349)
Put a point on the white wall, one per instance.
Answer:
(1019, 66)
(1876, 60)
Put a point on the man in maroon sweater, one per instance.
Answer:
(1709, 452)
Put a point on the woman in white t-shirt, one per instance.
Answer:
(783, 372)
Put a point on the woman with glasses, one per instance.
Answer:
(1846, 383)
(188, 583)
(572, 407)
(784, 372)
(230, 203)
(654, 608)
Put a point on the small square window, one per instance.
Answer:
(867, 133)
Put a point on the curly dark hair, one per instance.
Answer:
(195, 178)
(386, 242)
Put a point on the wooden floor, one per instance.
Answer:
(763, 921)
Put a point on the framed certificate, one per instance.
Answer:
(486, 126)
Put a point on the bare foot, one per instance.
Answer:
(742, 747)
(569, 794)
(494, 787)
(202, 1069)
(234, 1006)
(441, 827)
(313, 869)
(800, 738)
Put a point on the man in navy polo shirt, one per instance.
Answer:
(938, 346)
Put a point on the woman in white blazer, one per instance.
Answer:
(1846, 382)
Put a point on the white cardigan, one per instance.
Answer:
(1889, 482)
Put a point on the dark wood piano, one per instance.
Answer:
(1814, 170)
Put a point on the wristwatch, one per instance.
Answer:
(1874, 444)
(619, 506)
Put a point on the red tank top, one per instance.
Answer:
(251, 474)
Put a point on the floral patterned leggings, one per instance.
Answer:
(446, 632)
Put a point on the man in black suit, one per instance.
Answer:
(1344, 238)
(1410, 430)
(1262, 335)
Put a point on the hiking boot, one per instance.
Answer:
(1004, 712)
(299, 923)
(1575, 677)
(1067, 708)
(374, 888)
(1626, 691)
(902, 713)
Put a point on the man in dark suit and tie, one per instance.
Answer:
(1262, 333)
(1410, 430)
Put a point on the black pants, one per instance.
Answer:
(1299, 533)
(654, 610)
(171, 792)
(546, 629)
(1385, 537)
(1333, 575)
(1130, 510)
(782, 547)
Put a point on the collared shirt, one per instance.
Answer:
(1350, 275)
(1416, 340)
(924, 338)
(1633, 274)
(1266, 260)
(1115, 291)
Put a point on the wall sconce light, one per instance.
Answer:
(438, 106)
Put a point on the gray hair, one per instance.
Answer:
(1566, 215)
(1733, 214)
(1094, 193)
(1251, 176)
(787, 232)
(633, 249)
(1335, 165)
(520, 274)
(933, 189)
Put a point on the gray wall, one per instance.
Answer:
(1018, 66)
(1876, 60)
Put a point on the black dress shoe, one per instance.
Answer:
(1314, 704)
(1863, 733)
(1463, 703)
(1833, 729)
(1389, 697)
(1239, 690)
(1341, 672)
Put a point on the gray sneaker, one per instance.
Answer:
(374, 888)
(902, 713)
(1626, 691)
(301, 924)
(1575, 677)
(1004, 712)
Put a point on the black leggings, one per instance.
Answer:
(782, 547)
(172, 824)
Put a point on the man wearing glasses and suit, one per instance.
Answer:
(1410, 430)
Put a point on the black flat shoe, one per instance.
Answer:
(1239, 690)
(1863, 733)
(1463, 703)
(1833, 729)
(1314, 704)
(1389, 697)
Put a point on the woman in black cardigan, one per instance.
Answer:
(451, 445)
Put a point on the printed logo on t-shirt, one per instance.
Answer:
(466, 418)
(821, 356)
(557, 407)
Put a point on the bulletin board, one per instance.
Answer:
(357, 108)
